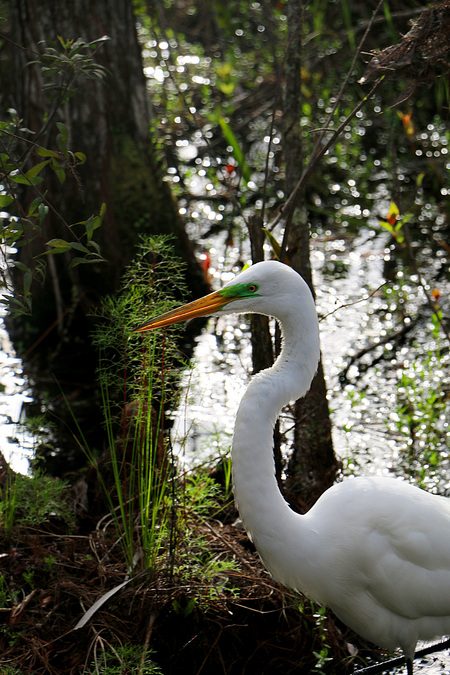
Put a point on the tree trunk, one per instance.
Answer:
(262, 347)
(313, 465)
(109, 122)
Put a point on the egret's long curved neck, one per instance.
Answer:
(266, 515)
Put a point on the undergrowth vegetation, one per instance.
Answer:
(138, 379)
(33, 501)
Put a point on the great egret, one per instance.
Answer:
(375, 550)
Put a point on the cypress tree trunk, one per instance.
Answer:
(109, 122)
(312, 467)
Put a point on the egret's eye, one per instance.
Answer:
(252, 288)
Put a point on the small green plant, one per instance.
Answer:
(125, 658)
(184, 608)
(220, 442)
(196, 563)
(28, 577)
(7, 596)
(206, 575)
(32, 501)
(10, 636)
(421, 415)
(322, 655)
(49, 564)
(307, 608)
(200, 495)
(394, 223)
(8, 504)
(227, 472)
(64, 62)
(138, 473)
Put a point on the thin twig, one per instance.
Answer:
(355, 302)
(148, 634)
(352, 65)
(313, 163)
(401, 332)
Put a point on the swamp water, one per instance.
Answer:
(16, 444)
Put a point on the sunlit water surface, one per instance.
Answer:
(16, 444)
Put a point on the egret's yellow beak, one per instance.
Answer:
(202, 307)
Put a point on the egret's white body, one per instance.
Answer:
(375, 550)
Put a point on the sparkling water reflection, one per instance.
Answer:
(15, 443)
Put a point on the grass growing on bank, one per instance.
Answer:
(138, 380)
(32, 502)
(152, 509)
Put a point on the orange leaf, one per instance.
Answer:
(408, 125)
(392, 214)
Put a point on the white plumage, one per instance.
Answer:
(375, 550)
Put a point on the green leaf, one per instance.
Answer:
(58, 242)
(33, 206)
(23, 242)
(419, 179)
(21, 266)
(76, 246)
(5, 200)
(36, 170)
(27, 279)
(63, 131)
(61, 145)
(237, 150)
(42, 211)
(23, 180)
(82, 261)
(60, 173)
(227, 88)
(96, 247)
(276, 248)
(58, 246)
(5, 161)
(45, 152)
(387, 226)
(94, 222)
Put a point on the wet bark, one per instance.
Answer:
(312, 466)
(262, 346)
(262, 349)
(109, 122)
